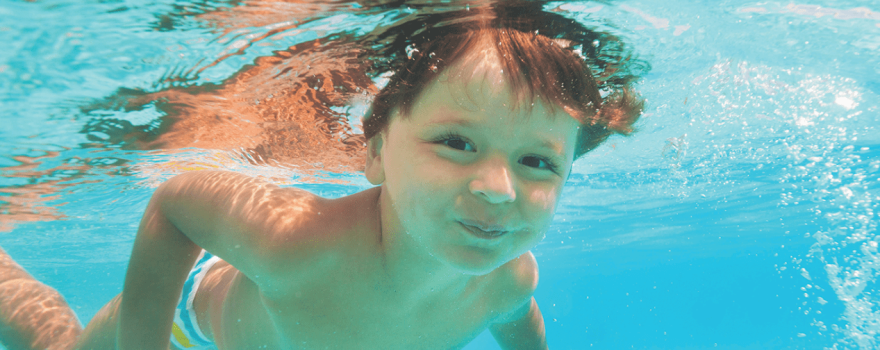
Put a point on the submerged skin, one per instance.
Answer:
(469, 182)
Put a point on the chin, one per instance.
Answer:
(475, 261)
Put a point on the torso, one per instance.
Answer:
(342, 305)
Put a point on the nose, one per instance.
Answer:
(494, 182)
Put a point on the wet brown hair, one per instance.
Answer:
(543, 54)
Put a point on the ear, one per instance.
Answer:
(375, 169)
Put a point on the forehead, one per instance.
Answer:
(475, 92)
(478, 83)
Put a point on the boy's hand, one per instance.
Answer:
(524, 330)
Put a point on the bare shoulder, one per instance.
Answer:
(236, 192)
(277, 237)
(514, 283)
(258, 227)
(251, 204)
(520, 275)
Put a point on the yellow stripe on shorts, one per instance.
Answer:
(181, 338)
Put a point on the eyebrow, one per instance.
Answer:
(453, 121)
(553, 146)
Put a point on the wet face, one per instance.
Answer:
(474, 175)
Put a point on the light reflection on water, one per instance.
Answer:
(755, 167)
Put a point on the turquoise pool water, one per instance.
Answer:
(741, 215)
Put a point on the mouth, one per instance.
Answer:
(484, 231)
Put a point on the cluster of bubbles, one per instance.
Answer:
(818, 130)
(832, 171)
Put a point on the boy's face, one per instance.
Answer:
(474, 175)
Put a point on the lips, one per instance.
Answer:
(483, 230)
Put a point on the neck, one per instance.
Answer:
(411, 272)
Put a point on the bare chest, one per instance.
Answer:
(367, 318)
(353, 314)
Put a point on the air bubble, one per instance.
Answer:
(410, 50)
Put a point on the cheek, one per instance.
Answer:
(415, 194)
(544, 199)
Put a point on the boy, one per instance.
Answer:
(470, 145)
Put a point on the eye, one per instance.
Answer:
(538, 163)
(457, 142)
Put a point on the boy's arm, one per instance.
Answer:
(524, 330)
(249, 223)
(159, 263)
